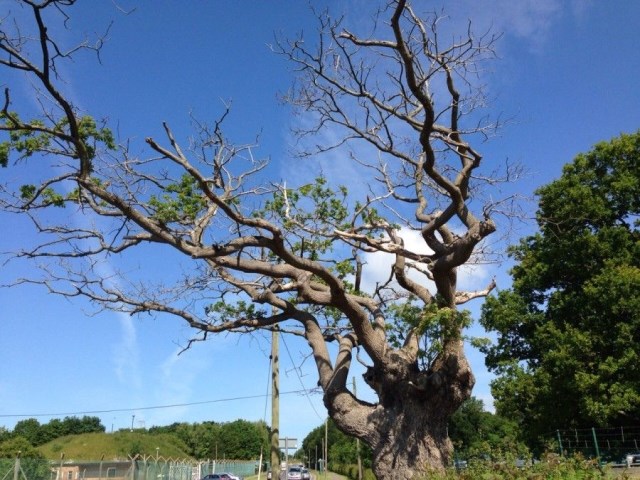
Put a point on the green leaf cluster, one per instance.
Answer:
(432, 323)
(28, 139)
(25, 141)
(181, 201)
(50, 197)
(313, 212)
(223, 311)
(34, 137)
(314, 207)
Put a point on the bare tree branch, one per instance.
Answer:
(265, 256)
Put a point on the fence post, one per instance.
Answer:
(59, 476)
(16, 467)
(595, 442)
(560, 442)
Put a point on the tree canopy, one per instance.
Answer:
(238, 440)
(397, 101)
(38, 434)
(478, 433)
(568, 332)
(342, 448)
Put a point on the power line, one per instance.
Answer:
(306, 392)
(156, 407)
(266, 396)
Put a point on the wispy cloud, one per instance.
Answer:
(528, 20)
(178, 375)
(126, 359)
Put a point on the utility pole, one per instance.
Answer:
(326, 447)
(275, 405)
(357, 440)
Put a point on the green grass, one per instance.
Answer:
(113, 446)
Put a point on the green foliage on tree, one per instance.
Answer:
(200, 438)
(18, 445)
(33, 137)
(28, 429)
(243, 440)
(39, 434)
(476, 433)
(237, 440)
(32, 464)
(568, 332)
(342, 448)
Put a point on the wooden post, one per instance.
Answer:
(357, 440)
(275, 405)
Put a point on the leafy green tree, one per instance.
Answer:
(314, 441)
(32, 463)
(39, 434)
(397, 98)
(57, 428)
(52, 430)
(476, 432)
(568, 332)
(78, 425)
(200, 438)
(31, 430)
(238, 440)
(342, 448)
(244, 440)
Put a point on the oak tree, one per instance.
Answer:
(568, 332)
(268, 256)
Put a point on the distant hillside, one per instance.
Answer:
(118, 445)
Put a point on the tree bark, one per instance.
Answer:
(415, 442)
(407, 429)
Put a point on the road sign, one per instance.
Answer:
(288, 443)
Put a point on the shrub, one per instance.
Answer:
(550, 467)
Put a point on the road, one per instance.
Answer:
(319, 476)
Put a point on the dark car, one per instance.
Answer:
(217, 476)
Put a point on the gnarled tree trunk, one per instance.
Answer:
(407, 429)
(415, 440)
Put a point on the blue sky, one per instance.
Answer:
(567, 76)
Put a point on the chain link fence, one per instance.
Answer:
(136, 468)
(611, 445)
